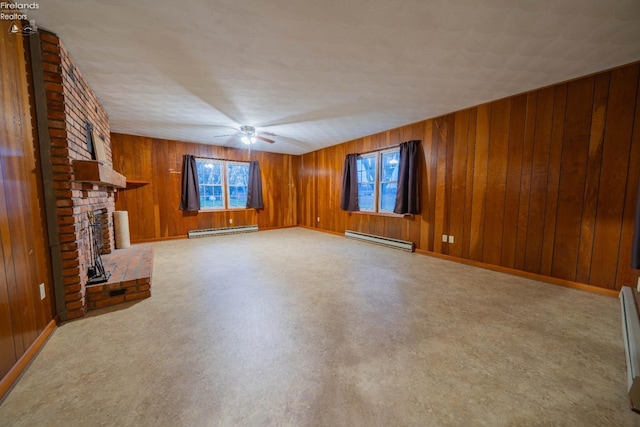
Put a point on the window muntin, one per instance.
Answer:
(367, 176)
(223, 184)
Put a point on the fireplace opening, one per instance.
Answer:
(96, 272)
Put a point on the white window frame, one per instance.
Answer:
(377, 193)
(223, 184)
(228, 163)
(374, 183)
(224, 164)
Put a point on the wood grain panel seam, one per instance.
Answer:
(504, 198)
(486, 183)
(584, 194)
(531, 169)
(572, 178)
(633, 179)
(557, 195)
(506, 175)
(526, 180)
(633, 125)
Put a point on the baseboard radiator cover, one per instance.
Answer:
(631, 335)
(379, 240)
(222, 231)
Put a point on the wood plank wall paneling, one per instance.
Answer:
(440, 138)
(555, 159)
(458, 180)
(514, 176)
(626, 275)
(427, 188)
(496, 181)
(539, 176)
(525, 181)
(592, 184)
(153, 207)
(572, 178)
(471, 155)
(544, 182)
(615, 166)
(23, 241)
(480, 173)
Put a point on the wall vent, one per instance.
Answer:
(222, 231)
(384, 241)
(117, 292)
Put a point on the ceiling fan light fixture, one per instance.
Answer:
(248, 139)
(249, 136)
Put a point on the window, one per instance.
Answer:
(238, 174)
(388, 180)
(367, 174)
(211, 182)
(378, 180)
(223, 184)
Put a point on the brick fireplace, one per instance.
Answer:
(83, 187)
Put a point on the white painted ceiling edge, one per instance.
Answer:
(319, 73)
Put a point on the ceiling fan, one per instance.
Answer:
(250, 136)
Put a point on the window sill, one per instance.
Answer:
(387, 214)
(212, 210)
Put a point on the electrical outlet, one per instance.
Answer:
(444, 238)
(318, 219)
(450, 239)
(230, 220)
(42, 291)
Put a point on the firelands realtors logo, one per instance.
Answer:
(17, 12)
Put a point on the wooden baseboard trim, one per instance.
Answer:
(159, 239)
(14, 373)
(184, 236)
(321, 230)
(276, 228)
(525, 274)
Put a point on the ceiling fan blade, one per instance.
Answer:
(220, 136)
(268, 133)
(270, 141)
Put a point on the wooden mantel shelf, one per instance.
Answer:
(131, 183)
(98, 173)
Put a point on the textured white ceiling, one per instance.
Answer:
(318, 73)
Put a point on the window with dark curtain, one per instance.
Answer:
(349, 199)
(254, 190)
(408, 195)
(635, 256)
(190, 198)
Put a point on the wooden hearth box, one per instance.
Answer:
(98, 173)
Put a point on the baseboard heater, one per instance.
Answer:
(222, 231)
(631, 336)
(379, 240)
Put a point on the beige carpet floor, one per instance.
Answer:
(301, 328)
